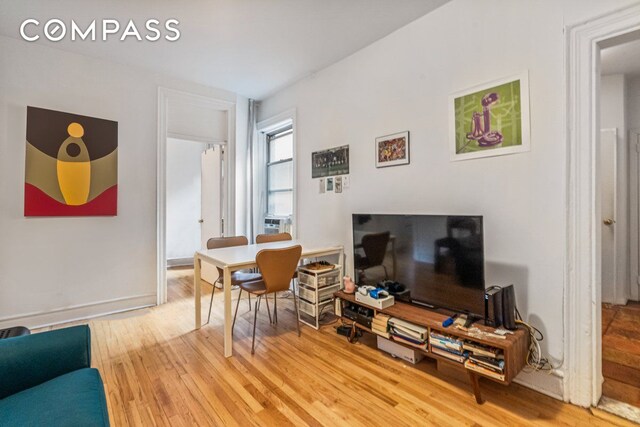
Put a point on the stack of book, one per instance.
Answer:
(408, 333)
(488, 361)
(380, 325)
(448, 347)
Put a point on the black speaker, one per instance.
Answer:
(493, 306)
(509, 307)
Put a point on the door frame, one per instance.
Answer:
(582, 294)
(165, 97)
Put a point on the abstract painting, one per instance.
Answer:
(334, 161)
(392, 150)
(71, 165)
(490, 119)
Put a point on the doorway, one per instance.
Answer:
(583, 291)
(195, 197)
(617, 152)
(198, 132)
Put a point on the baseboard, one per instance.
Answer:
(545, 382)
(78, 312)
(619, 301)
(180, 262)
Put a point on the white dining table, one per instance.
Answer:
(240, 258)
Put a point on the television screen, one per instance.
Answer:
(439, 258)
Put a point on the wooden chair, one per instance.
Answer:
(237, 277)
(278, 237)
(277, 267)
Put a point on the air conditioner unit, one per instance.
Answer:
(277, 224)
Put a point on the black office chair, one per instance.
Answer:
(374, 246)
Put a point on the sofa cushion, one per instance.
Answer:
(73, 399)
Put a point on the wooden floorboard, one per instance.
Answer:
(159, 371)
(621, 352)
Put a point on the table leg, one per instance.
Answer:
(475, 383)
(197, 284)
(228, 340)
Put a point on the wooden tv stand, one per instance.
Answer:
(515, 346)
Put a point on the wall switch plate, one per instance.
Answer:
(345, 182)
(322, 186)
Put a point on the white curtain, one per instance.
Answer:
(257, 179)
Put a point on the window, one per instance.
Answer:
(280, 172)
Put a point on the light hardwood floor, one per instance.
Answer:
(621, 352)
(159, 371)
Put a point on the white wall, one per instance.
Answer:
(242, 154)
(633, 102)
(55, 269)
(633, 122)
(184, 196)
(402, 82)
(613, 116)
(612, 101)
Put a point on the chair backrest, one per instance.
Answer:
(456, 226)
(226, 242)
(278, 237)
(277, 266)
(375, 247)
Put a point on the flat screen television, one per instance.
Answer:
(439, 258)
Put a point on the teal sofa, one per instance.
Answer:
(46, 380)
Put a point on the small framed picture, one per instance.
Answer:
(491, 119)
(338, 186)
(329, 184)
(392, 150)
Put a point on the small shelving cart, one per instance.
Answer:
(315, 288)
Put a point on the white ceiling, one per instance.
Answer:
(252, 47)
(621, 59)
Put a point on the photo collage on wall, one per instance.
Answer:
(329, 165)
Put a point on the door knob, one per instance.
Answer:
(609, 221)
(201, 220)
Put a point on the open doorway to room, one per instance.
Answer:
(195, 197)
(617, 180)
(196, 138)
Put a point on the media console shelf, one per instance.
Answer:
(515, 346)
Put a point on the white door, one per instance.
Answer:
(211, 193)
(183, 198)
(608, 187)
(211, 219)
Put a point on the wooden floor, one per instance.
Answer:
(159, 371)
(621, 352)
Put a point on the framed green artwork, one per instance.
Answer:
(490, 119)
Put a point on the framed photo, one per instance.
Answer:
(392, 150)
(338, 184)
(329, 185)
(490, 119)
(334, 161)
